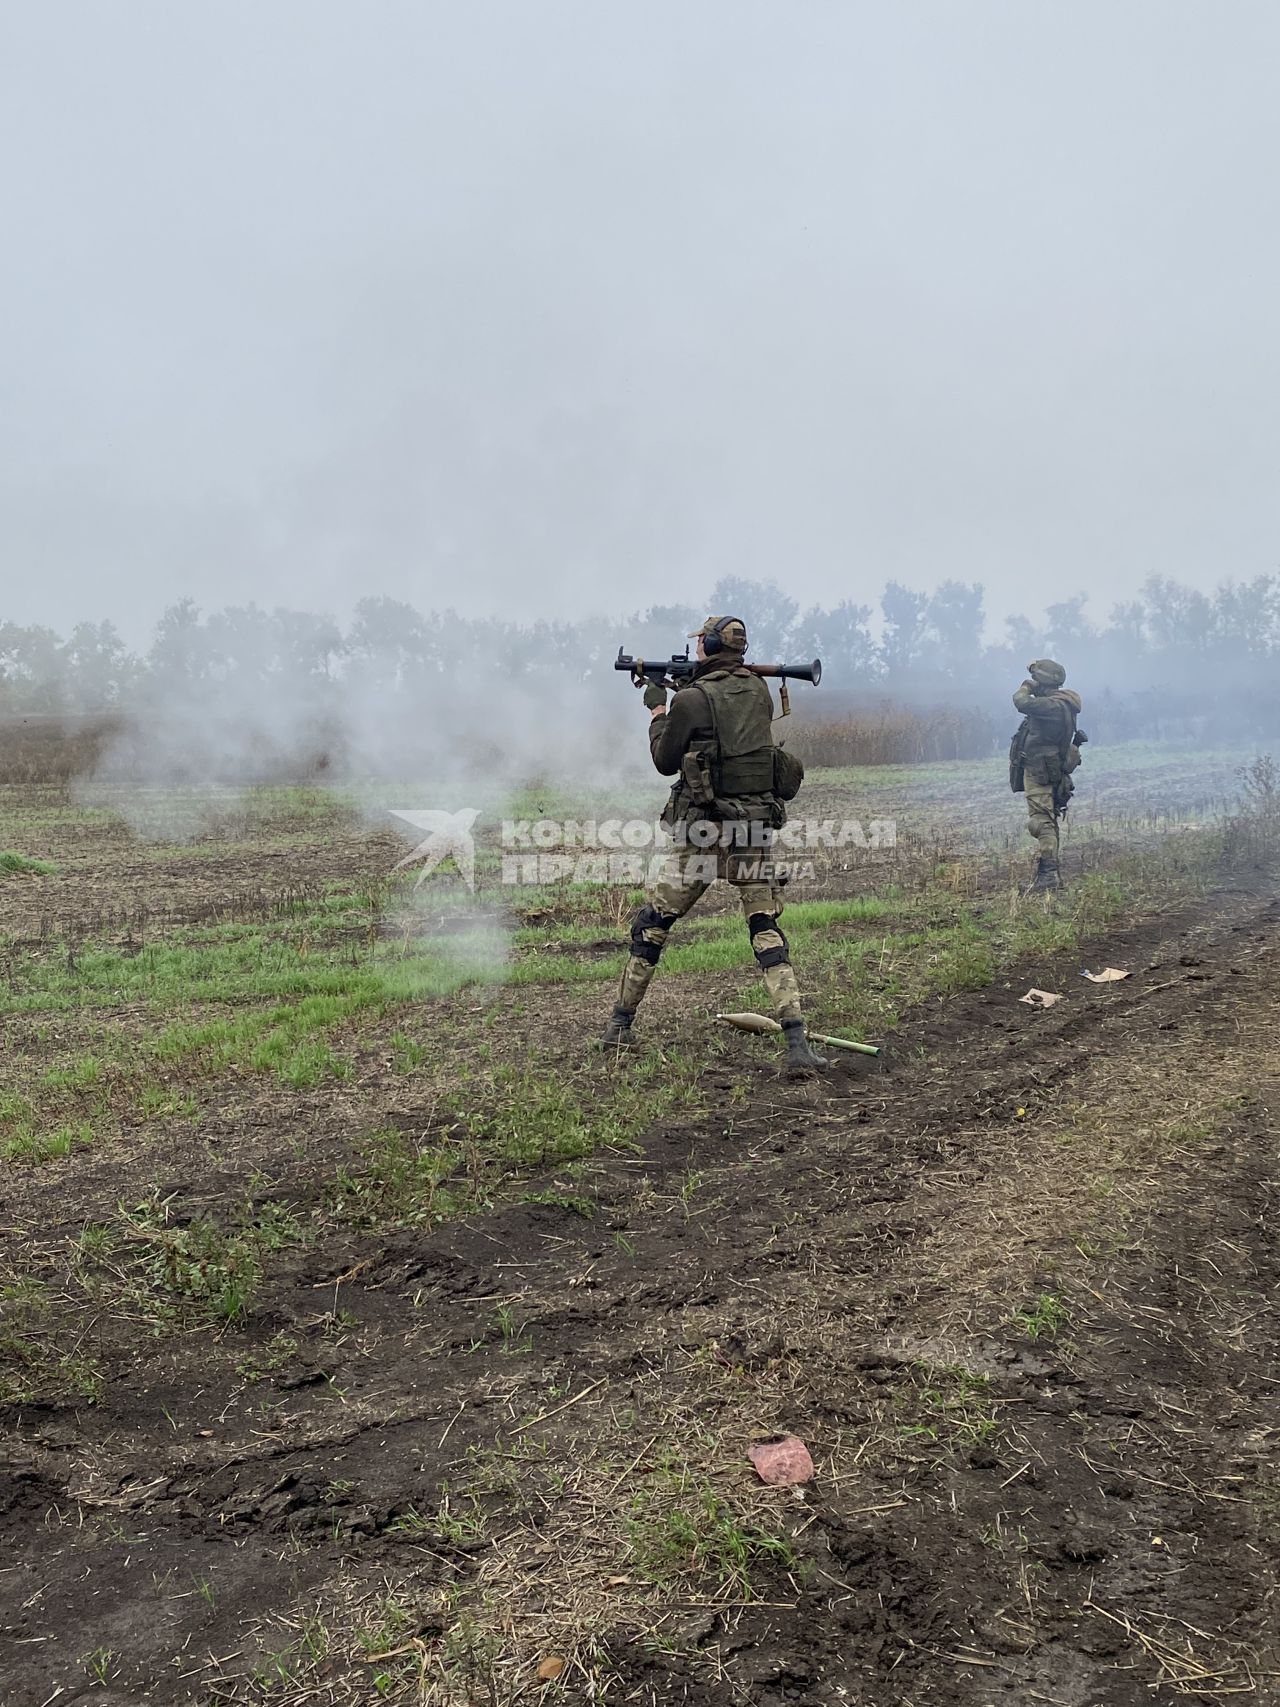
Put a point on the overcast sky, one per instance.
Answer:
(551, 307)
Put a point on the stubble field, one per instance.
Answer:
(367, 1336)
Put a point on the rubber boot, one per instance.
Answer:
(618, 1034)
(1046, 876)
(800, 1052)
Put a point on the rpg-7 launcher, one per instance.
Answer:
(677, 670)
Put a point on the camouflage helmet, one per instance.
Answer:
(730, 634)
(1045, 673)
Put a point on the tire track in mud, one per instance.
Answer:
(841, 1233)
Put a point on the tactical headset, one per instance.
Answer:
(713, 639)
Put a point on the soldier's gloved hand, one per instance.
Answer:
(654, 695)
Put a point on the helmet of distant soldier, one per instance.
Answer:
(1046, 673)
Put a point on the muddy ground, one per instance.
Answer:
(1015, 1286)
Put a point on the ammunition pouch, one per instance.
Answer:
(721, 808)
(695, 774)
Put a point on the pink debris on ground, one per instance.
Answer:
(783, 1461)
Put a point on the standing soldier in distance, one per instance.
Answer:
(717, 740)
(1045, 751)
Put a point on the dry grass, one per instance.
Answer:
(1177, 1664)
(48, 749)
(45, 749)
(889, 734)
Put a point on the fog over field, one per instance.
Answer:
(544, 311)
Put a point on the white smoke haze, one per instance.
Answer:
(469, 940)
(475, 708)
(472, 735)
(464, 713)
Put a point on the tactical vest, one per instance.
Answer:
(729, 774)
(1059, 748)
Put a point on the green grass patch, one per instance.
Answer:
(195, 1270)
(393, 1182)
(279, 1351)
(500, 1124)
(407, 1053)
(683, 1533)
(27, 1144)
(81, 1075)
(16, 862)
(1043, 1320)
(531, 1115)
(14, 1108)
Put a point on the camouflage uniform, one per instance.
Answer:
(1042, 814)
(722, 721)
(1050, 711)
(690, 873)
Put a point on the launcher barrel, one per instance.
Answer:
(680, 668)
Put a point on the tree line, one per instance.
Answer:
(1173, 652)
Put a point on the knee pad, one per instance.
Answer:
(650, 919)
(773, 954)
